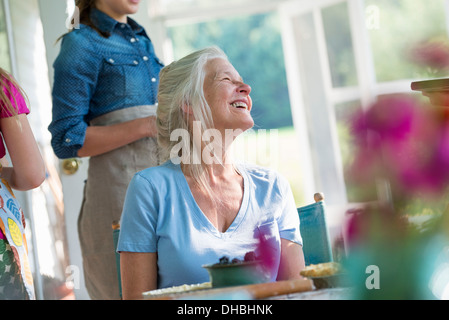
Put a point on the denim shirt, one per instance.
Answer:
(94, 75)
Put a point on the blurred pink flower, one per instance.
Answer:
(432, 54)
(362, 223)
(405, 141)
(266, 252)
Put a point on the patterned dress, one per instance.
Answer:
(16, 281)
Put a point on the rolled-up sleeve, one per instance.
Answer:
(75, 75)
(18, 102)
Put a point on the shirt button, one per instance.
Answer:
(68, 140)
(153, 79)
(136, 62)
(132, 40)
(111, 60)
(145, 58)
(122, 26)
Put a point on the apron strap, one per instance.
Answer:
(123, 115)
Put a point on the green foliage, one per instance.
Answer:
(254, 46)
(339, 45)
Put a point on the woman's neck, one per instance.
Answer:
(120, 17)
(212, 171)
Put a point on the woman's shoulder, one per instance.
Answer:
(79, 39)
(78, 34)
(166, 172)
(264, 175)
(265, 178)
(79, 50)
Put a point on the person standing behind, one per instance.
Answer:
(104, 105)
(27, 172)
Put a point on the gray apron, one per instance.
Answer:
(108, 177)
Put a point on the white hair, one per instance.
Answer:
(181, 84)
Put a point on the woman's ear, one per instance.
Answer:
(187, 109)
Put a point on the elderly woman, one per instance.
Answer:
(199, 205)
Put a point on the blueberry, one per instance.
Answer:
(224, 260)
(250, 256)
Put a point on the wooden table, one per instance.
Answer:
(280, 290)
(321, 294)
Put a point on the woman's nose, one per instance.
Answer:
(244, 88)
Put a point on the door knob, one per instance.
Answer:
(70, 166)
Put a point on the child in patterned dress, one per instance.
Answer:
(26, 172)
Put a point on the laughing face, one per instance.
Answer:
(227, 96)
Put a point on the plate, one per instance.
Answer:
(326, 275)
(178, 289)
(431, 85)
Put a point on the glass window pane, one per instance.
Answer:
(5, 61)
(176, 6)
(339, 45)
(343, 113)
(260, 61)
(396, 27)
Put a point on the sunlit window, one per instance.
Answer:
(339, 45)
(395, 29)
(402, 24)
(176, 6)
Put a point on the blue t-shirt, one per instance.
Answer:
(160, 215)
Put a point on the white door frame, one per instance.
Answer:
(24, 197)
(323, 170)
(54, 16)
